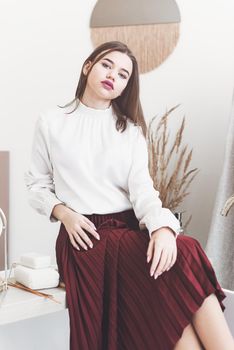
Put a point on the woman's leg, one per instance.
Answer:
(211, 326)
(189, 340)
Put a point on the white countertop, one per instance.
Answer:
(17, 304)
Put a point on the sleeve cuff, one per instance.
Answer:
(176, 230)
(166, 219)
(49, 206)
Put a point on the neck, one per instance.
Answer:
(95, 103)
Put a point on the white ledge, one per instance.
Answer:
(17, 304)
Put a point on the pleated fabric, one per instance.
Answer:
(114, 303)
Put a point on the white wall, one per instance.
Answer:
(43, 45)
(42, 48)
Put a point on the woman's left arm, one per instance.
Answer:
(162, 225)
(142, 194)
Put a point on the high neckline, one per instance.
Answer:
(82, 108)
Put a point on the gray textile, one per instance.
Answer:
(220, 244)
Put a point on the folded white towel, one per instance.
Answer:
(36, 278)
(35, 260)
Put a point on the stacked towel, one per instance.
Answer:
(35, 272)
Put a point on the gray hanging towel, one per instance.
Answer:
(220, 243)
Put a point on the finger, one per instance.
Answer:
(89, 222)
(149, 252)
(73, 242)
(168, 265)
(163, 259)
(156, 257)
(173, 260)
(90, 229)
(164, 262)
(79, 239)
(83, 238)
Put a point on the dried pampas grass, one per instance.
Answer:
(169, 162)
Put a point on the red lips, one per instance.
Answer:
(108, 83)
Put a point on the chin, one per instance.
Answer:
(108, 96)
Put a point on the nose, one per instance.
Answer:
(111, 75)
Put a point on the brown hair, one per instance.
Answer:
(127, 105)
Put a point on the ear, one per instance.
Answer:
(87, 67)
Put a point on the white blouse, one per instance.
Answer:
(83, 162)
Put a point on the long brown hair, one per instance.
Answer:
(127, 105)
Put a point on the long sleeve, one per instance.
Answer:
(144, 198)
(39, 177)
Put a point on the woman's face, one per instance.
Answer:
(108, 77)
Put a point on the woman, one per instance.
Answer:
(131, 281)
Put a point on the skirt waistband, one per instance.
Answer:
(126, 216)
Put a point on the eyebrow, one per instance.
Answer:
(125, 70)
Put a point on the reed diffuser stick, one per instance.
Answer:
(40, 294)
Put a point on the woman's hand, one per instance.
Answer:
(162, 250)
(75, 225)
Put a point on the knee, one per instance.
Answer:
(187, 245)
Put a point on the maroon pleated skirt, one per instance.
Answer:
(114, 303)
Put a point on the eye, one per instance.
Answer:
(105, 65)
(123, 76)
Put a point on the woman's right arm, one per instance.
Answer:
(41, 190)
(39, 178)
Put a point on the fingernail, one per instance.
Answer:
(77, 248)
(91, 245)
(151, 273)
(98, 237)
(148, 259)
(94, 227)
(155, 276)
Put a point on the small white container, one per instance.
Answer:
(35, 260)
(36, 278)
